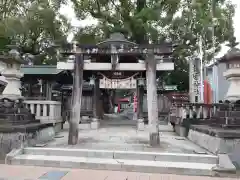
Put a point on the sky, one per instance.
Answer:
(68, 11)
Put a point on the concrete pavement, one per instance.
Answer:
(33, 173)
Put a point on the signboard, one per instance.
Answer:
(129, 83)
(195, 80)
(170, 87)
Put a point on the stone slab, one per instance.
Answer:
(116, 164)
(181, 131)
(84, 126)
(133, 155)
(217, 131)
(128, 138)
(95, 124)
(140, 126)
(217, 145)
(9, 157)
(225, 164)
(12, 141)
(33, 127)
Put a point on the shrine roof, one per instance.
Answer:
(116, 39)
(40, 69)
(232, 54)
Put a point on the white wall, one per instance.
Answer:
(218, 82)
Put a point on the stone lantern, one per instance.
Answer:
(92, 81)
(11, 72)
(232, 61)
(141, 82)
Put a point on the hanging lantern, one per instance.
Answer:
(141, 82)
(92, 81)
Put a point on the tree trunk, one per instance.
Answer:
(76, 100)
(152, 100)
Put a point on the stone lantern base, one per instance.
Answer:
(233, 93)
(12, 89)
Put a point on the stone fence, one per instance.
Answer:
(218, 114)
(45, 111)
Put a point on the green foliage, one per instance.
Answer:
(154, 21)
(34, 25)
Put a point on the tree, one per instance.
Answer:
(34, 25)
(155, 21)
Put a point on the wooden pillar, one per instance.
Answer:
(49, 90)
(76, 100)
(29, 93)
(140, 94)
(95, 120)
(140, 101)
(152, 100)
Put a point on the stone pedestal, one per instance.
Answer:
(154, 139)
(12, 75)
(95, 123)
(232, 61)
(233, 93)
(18, 125)
(140, 124)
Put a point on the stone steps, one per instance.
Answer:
(131, 155)
(148, 162)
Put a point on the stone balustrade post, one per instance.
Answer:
(205, 111)
(200, 109)
(191, 111)
(45, 111)
(194, 110)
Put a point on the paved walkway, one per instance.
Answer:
(34, 173)
(127, 138)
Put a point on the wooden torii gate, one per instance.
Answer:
(113, 63)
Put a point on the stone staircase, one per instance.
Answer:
(136, 161)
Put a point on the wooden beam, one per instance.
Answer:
(93, 66)
(152, 100)
(76, 100)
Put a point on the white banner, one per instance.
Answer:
(129, 83)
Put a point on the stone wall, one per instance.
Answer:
(15, 140)
(217, 145)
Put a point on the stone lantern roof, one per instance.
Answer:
(12, 56)
(116, 39)
(232, 54)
